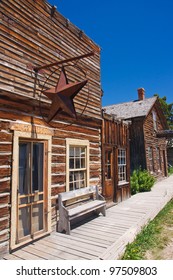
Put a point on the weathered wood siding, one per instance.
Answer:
(115, 135)
(143, 136)
(151, 140)
(31, 37)
(170, 155)
(137, 146)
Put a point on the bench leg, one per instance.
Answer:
(67, 227)
(103, 211)
(60, 226)
(64, 225)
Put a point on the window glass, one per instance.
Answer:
(30, 167)
(37, 167)
(24, 167)
(77, 167)
(122, 176)
(108, 157)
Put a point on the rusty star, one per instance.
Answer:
(62, 96)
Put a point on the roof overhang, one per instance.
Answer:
(165, 133)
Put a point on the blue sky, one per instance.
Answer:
(136, 40)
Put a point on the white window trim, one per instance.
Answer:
(76, 142)
(125, 165)
(16, 138)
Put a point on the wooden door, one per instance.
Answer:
(32, 189)
(108, 174)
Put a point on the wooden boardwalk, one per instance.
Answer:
(101, 237)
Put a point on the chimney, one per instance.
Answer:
(141, 93)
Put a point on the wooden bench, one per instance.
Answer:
(74, 204)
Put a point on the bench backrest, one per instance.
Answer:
(78, 193)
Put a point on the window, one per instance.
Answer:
(108, 159)
(122, 173)
(30, 167)
(77, 164)
(150, 158)
(154, 120)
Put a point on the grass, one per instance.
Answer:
(153, 237)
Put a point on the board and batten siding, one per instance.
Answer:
(31, 37)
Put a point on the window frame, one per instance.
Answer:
(124, 165)
(76, 143)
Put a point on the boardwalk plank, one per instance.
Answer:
(37, 250)
(81, 239)
(105, 237)
(85, 247)
(26, 255)
(74, 253)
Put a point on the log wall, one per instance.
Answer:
(31, 37)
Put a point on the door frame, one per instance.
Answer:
(109, 149)
(15, 159)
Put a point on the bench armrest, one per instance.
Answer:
(62, 210)
(98, 195)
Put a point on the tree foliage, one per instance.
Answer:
(167, 110)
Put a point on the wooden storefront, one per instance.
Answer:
(115, 159)
(44, 153)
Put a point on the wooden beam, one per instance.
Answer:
(36, 69)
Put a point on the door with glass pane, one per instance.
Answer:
(32, 209)
(108, 174)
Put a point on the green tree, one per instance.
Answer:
(167, 110)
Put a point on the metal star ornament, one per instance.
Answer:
(62, 96)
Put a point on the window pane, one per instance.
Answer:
(37, 167)
(83, 152)
(77, 165)
(71, 187)
(71, 163)
(24, 223)
(37, 221)
(71, 177)
(24, 168)
(77, 151)
(71, 152)
(83, 163)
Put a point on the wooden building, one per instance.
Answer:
(116, 160)
(147, 149)
(47, 146)
(168, 134)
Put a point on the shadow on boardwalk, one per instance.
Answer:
(101, 237)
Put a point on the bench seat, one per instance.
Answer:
(85, 208)
(77, 203)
